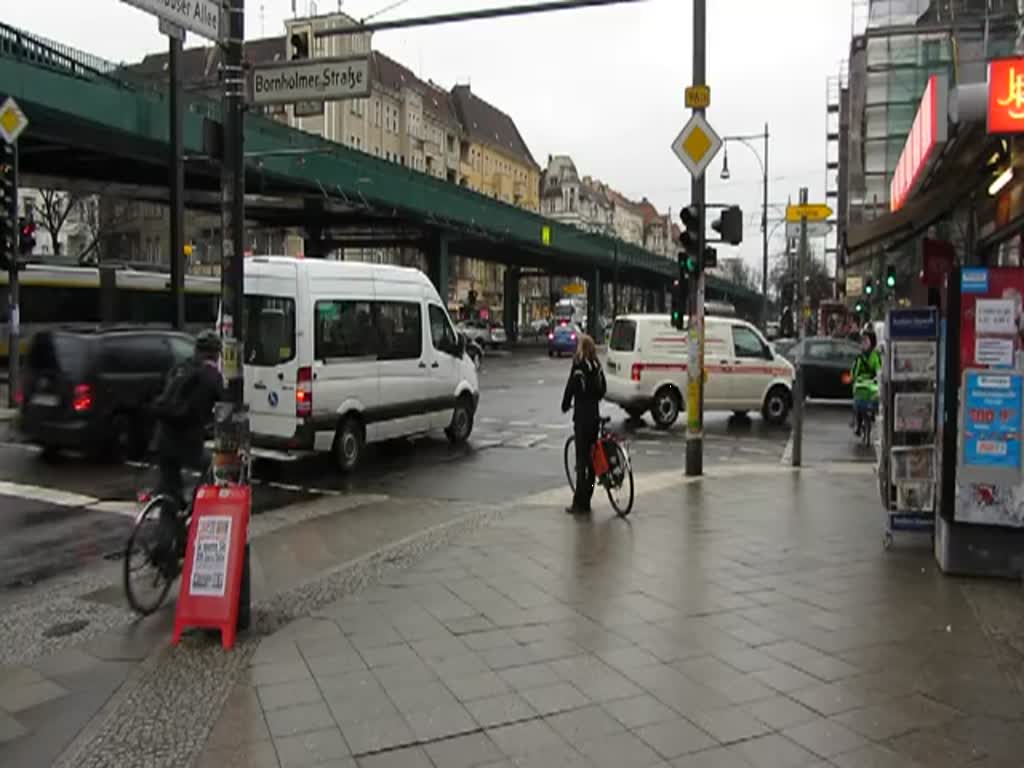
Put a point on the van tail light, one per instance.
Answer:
(304, 392)
(635, 371)
(82, 399)
(19, 397)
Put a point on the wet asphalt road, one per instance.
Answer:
(516, 448)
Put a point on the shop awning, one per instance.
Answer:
(960, 171)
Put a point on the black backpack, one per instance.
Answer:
(174, 404)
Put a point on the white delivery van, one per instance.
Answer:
(340, 354)
(647, 361)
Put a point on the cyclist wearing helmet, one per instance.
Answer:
(865, 377)
(184, 411)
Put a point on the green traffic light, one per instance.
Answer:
(891, 281)
(869, 289)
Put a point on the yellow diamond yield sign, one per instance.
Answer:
(696, 145)
(12, 121)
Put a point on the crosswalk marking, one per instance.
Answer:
(61, 498)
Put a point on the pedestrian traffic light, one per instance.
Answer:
(300, 43)
(26, 236)
(869, 286)
(890, 277)
(679, 293)
(689, 261)
(859, 307)
(729, 225)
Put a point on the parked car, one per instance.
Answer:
(827, 364)
(540, 327)
(341, 354)
(562, 339)
(647, 369)
(89, 391)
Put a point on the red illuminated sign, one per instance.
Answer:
(1006, 96)
(927, 136)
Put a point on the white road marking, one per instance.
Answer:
(46, 495)
(520, 424)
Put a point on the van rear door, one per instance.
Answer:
(274, 388)
(622, 347)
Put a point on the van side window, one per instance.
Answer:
(343, 329)
(399, 330)
(441, 332)
(746, 342)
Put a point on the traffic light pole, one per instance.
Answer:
(13, 289)
(177, 164)
(801, 297)
(233, 202)
(695, 363)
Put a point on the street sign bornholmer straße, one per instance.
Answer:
(347, 77)
(200, 16)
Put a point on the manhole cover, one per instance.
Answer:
(66, 628)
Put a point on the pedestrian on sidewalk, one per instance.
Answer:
(583, 393)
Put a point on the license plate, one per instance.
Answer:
(48, 401)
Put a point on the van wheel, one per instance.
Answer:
(348, 444)
(665, 408)
(777, 404)
(461, 425)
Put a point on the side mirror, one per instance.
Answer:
(461, 345)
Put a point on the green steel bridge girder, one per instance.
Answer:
(302, 164)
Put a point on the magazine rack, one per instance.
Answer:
(908, 458)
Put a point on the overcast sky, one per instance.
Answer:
(604, 85)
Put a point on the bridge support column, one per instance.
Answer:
(313, 246)
(511, 302)
(439, 264)
(595, 294)
(659, 300)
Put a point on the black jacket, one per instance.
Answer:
(184, 441)
(584, 390)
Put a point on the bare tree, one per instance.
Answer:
(56, 206)
(99, 222)
(740, 274)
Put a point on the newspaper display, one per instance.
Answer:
(914, 412)
(914, 360)
(915, 497)
(210, 563)
(913, 463)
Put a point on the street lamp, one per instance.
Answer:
(725, 175)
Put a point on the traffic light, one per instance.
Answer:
(859, 307)
(8, 194)
(710, 258)
(689, 261)
(869, 286)
(890, 277)
(729, 225)
(679, 293)
(300, 40)
(26, 236)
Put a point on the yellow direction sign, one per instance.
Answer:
(698, 97)
(696, 145)
(12, 121)
(811, 212)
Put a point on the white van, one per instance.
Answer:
(341, 354)
(647, 361)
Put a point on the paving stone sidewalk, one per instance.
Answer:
(751, 620)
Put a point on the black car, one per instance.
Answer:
(826, 363)
(89, 391)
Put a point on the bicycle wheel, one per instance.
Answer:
(619, 480)
(143, 564)
(570, 461)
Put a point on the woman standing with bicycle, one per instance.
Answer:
(583, 393)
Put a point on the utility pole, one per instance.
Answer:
(233, 203)
(12, 252)
(177, 164)
(764, 240)
(695, 362)
(801, 292)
